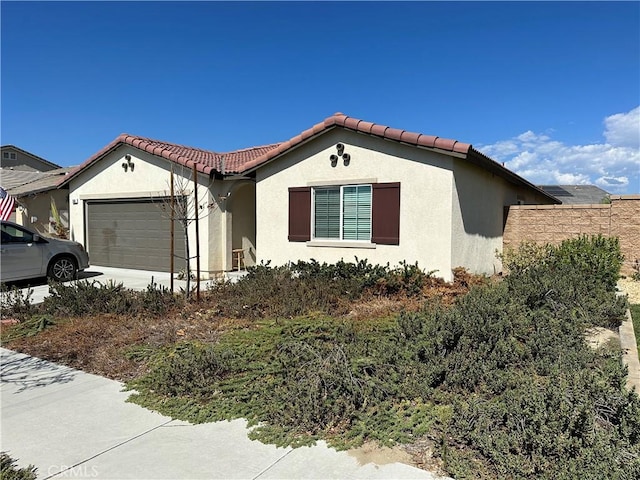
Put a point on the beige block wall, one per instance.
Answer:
(555, 223)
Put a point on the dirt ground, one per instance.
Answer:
(419, 454)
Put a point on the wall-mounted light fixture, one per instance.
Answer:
(224, 197)
(128, 164)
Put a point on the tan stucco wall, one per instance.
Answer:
(552, 224)
(106, 179)
(425, 200)
(478, 199)
(39, 206)
(242, 204)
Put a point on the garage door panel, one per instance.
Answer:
(132, 234)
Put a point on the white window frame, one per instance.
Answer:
(341, 235)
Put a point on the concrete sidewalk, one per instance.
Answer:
(70, 424)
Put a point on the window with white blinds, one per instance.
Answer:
(342, 213)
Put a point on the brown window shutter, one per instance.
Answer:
(300, 214)
(386, 214)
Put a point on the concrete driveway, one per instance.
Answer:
(132, 279)
(70, 424)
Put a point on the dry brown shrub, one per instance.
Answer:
(375, 307)
(99, 344)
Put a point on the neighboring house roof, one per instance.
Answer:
(247, 160)
(576, 194)
(21, 183)
(24, 152)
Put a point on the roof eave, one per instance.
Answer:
(480, 159)
(140, 144)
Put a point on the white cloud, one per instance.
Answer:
(612, 182)
(613, 165)
(623, 129)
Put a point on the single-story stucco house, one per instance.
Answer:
(35, 193)
(33, 181)
(342, 189)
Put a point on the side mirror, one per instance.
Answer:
(36, 238)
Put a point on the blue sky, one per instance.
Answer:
(550, 88)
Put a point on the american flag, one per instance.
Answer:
(6, 204)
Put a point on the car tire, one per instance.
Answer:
(62, 269)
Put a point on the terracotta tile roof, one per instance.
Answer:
(206, 161)
(350, 123)
(249, 159)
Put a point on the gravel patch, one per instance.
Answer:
(631, 288)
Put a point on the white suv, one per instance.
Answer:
(25, 254)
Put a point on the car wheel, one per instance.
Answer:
(62, 269)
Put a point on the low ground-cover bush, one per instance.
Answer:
(304, 287)
(84, 298)
(15, 304)
(9, 470)
(91, 298)
(501, 381)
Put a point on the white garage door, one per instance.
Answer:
(132, 234)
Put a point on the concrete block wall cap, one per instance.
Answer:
(632, 196)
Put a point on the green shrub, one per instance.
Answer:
(568, 425)
(502, 381)
(16, 304)
(597, 258)
(187, 369)
(9, 470)
(85, 298)
(90, 298)
(526, 256)
(305, 287)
